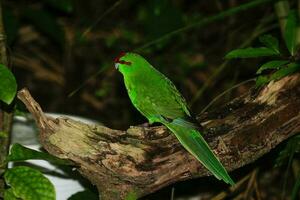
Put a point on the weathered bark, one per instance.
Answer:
(144, 160)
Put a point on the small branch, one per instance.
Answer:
(145, 159)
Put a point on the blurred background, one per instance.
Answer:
(63, 51)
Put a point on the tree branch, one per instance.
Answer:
(145, 159)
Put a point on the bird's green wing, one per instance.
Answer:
(178, 97)
(168, 101)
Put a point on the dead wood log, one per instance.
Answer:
(144, 160)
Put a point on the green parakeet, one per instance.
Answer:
(156, 97)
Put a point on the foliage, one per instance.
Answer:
(279, 67)
(251, 52)
(8, 86)
(28, 183)
(270, 42)
(273, 64)
(9, 194)
(24, 182)
(21, 153)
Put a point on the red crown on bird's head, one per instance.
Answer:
(117, 59)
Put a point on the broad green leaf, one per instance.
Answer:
(63, 5)
(86, 194)
(289, 69)
(21, 153)
(9, 195)
(251, 53)
(270, 42)
(274, 64)
(46, 23)
(290, 33)
(29, 184)
(8, 86)
(261, 80)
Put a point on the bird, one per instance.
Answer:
(157, 98)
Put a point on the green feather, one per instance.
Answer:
(192, 140)
(156, 97)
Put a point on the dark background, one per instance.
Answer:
(57, 47)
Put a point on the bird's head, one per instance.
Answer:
(130, 63)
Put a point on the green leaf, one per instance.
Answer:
(282, 72)
(62, 5)
(274, 64)
(9, 195)
(46, 23)
(270, 42)
(86, 194)
(289, 69)
(21, 153)
(8, 86)
(251, 53)
(261, 80)
(290, 32)
(29, 184)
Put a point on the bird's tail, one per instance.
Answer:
(191, 139)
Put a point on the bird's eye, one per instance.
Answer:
(124, 62)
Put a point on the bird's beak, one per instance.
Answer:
(117, 65)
